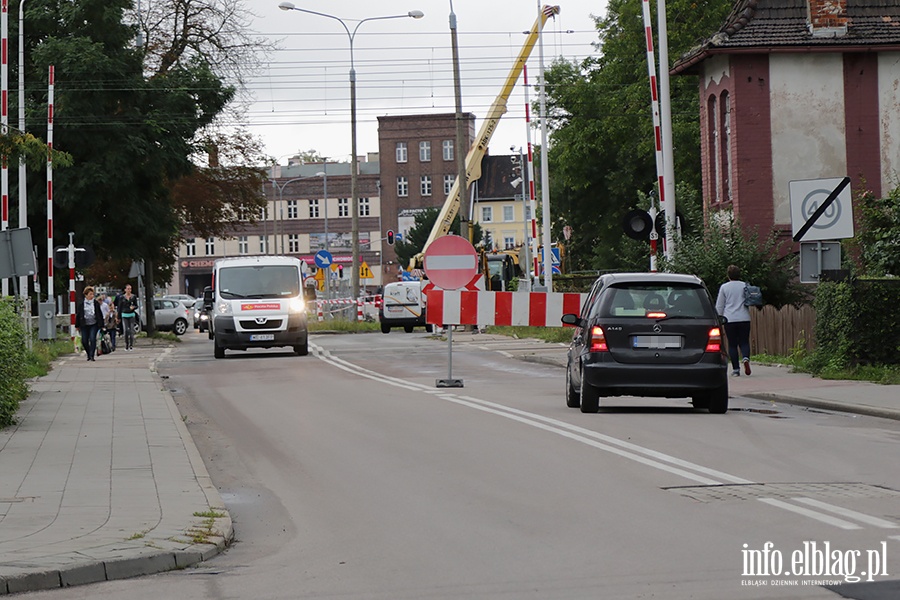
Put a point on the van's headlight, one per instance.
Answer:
(223, 308)
(296, 305)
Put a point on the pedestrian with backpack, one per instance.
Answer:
(731, 304)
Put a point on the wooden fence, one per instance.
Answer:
(778, 331)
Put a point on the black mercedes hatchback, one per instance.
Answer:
(647, 334)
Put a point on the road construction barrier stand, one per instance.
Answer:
(534, 309)
(341, 304)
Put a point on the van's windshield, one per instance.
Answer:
(260, 281)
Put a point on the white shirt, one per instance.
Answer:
(730, 302)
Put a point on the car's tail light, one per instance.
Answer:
(598, 340)
(656, 315)
(714, 343)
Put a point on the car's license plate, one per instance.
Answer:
(657, 342)
(262, 337)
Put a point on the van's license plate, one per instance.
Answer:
(657, 342)
(262, 337)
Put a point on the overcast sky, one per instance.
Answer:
(403, 66)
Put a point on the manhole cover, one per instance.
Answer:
(784, 491)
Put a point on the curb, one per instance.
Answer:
(858, 409)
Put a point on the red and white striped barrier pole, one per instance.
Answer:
(4, 119)
(359, 310)
(657, 128)
(534, 309)
(72, 289)
(532, 206)
(50, 185)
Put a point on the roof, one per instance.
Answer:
(773, 25)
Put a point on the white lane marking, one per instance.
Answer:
(504, 353)
(811, 514)
(594, 439)
(850, 514)
(895, 537)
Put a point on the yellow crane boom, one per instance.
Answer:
(480, 146)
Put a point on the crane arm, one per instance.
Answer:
(480, 146)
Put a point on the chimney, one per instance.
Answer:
(827, 18)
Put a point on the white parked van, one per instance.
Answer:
(402, 305)
(257, 302)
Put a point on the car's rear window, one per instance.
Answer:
(638, 299)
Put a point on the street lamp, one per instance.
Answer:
(354, 167)
(280, 188)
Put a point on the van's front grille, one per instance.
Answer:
(252, 324)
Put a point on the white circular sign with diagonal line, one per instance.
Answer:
(451, 262)
(807, 196)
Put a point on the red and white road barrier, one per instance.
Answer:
(534, 309)
(341, 304)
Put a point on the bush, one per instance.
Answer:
(857, 323)
(12, 363)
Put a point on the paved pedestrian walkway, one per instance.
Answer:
(100, 480)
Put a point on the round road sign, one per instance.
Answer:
(451, 262)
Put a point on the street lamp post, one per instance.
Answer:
(279, 207)
(354, 167)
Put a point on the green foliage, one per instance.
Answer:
(344, 325)
(548, 334)
(45, 352)
(708, 253)
(603, 150)
(12, 363)
(857, 323)
(415, 238)
(877, 234)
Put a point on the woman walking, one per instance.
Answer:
(730, 304)
(88, 319)
(127, 306)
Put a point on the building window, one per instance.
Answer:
(343, 207)
(447, 148)
(725, 106)
(401, 152)
(263, 244)
(243, 245)
(713, 158)
(264, 212)
(509, 242)
(507, 213)
(425, 185)
(448, 183)
(425, 151)
(190, 247)
(294, 243)
(210, 246)
(292, 209)
(487, 214)
(402, 186)
(314, 209)
(364, 207)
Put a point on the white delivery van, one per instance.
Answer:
(402, 305)
(257, 302)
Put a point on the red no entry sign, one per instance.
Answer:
(451, 262)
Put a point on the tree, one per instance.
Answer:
(416, 237)
(603, 146)
(708, 253)
(878, 233)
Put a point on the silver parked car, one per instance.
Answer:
(171, 315)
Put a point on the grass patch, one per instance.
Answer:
(344, 325)
(548, 334)
(136, 536)
(201, 534)
(210, 514)
(43, 353)
(803, 363)
(160, 336)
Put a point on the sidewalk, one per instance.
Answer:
(101, 479)
(774, 383)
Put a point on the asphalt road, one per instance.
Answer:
(349, 475)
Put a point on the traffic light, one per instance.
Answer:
(390, 237)
(340, 271)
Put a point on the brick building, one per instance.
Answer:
(793, 90)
